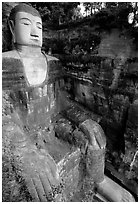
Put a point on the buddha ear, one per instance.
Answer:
(11, 26)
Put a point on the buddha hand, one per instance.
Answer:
(36, 169)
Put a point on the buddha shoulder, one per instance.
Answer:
(12, 74)
(11, 61)
(10, 54)
(51, 58)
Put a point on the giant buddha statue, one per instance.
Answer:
(46, 135)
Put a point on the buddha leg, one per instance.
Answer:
(113, 192)
(105, 186)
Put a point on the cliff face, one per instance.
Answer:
(105, 81)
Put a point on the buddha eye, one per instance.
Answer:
(39, 26)
(26, 23)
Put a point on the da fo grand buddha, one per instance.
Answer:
(44, 132)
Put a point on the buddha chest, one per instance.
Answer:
(34, 102)
(35, 105)
(35, 69)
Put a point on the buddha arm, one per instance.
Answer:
(71, 122)
(79, 126)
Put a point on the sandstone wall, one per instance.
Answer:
(107, 84)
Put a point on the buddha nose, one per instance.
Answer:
(34, 32)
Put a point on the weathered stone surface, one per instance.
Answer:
(109, 88)
(115, 45)
(95, 134)
(133, 115)
(95, 164)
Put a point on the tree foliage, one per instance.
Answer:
(120, 10)
(92, 7)
(56, 13)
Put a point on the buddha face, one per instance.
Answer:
(27, 29)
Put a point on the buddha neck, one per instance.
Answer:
(28, 51)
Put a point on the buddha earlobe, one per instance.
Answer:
(11, 26)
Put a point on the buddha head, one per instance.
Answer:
(25, 25)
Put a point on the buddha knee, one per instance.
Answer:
(94, 133)
(95, 153)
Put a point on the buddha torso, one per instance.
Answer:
(35, 67)
(31, 92)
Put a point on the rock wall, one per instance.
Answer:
(107, 84)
